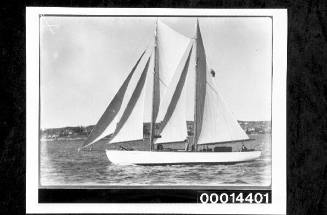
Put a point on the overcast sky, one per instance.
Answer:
(84, 60)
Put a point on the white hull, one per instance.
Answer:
(169, 158)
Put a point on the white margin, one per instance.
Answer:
(278, 205)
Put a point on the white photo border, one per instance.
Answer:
(278, 174)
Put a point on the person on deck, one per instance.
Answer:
(243, 149)
(186, 145)
(160, 147)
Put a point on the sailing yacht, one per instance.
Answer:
(171, 84)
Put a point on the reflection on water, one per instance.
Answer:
(62, 164)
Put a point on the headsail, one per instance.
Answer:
(103, 128)
(130, 125)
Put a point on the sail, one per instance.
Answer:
(130, 125)
(189, 85)
(200, 84)
(167, 99)
(173, 127)
(218, 123)
(148, 88)
(171, 46)
(160, 89)
(105, 126)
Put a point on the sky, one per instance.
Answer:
(84, 60)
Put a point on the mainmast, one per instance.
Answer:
(156, 89)
(200, 84)
(194, 144)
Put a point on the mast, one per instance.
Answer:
(156, 89)
(214, 123)
(200, 84)
(196, 62)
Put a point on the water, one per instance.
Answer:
(61, 165)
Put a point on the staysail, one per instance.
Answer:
(173, 127)
(171, 46)
(103, 128)
(166, 100)
(168, 51)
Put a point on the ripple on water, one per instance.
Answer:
(61, 164)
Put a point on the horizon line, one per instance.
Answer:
(143, 123)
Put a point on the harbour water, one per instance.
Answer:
(62, 165)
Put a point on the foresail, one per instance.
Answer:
(105, 125)
(130, 125)
(171, 47)
(173, 127)
(218, 124)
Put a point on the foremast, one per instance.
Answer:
(156, 89)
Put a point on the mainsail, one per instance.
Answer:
(200, 84)
(218, 123)
(214, 123)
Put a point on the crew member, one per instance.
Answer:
(160, 147)
(243, 149)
